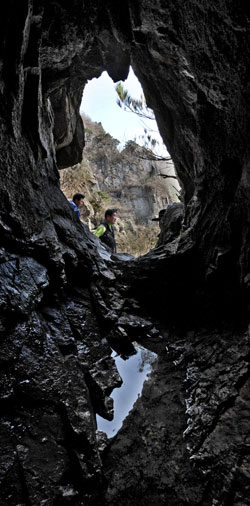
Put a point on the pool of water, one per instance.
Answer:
(134, 372)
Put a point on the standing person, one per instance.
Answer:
(105, 231)
(160, 216)
(76, 202)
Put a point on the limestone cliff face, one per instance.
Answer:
(129, 181)
(64, 303)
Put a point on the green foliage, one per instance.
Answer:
(116, 141)
(102, 194)
(129, 143)
(140, 108)
(96, 203)
(128, 103)
(97, 200)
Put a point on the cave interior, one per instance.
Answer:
(65, 306)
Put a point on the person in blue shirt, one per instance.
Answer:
(76, 202)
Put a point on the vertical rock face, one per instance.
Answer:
(63, 306)
(132, 176)
(128, 180)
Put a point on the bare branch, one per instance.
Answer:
(166, 175)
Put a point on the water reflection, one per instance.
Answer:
(134, 371)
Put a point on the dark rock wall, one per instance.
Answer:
(60, 300)
(181, 443)
(190, 68)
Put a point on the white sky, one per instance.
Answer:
(99, 103)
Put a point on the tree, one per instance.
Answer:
(127, 103)
(140, 108)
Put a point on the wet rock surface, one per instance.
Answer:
(65, 302)
(200, 387)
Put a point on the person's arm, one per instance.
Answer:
(100, 231)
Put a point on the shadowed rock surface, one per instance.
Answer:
(170, 223)
(65, 302)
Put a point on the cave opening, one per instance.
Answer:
(125, 164)
(98, 111)
(99, 102)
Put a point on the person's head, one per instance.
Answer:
(78, 199)
(160, 215)
(111, 216)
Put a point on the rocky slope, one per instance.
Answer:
(128, 180)
(64, 303)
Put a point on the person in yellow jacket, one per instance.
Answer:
(105, 232)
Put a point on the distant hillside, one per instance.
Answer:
(126, 180)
